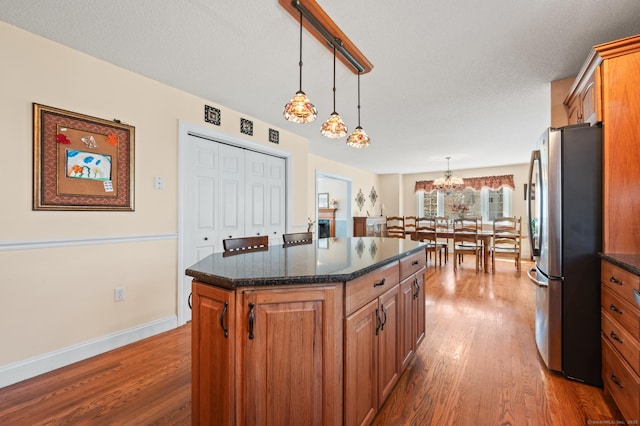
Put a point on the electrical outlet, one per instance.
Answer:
(118, 294)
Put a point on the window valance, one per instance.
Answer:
(475, 183)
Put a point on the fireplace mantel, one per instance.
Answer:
(330, 215)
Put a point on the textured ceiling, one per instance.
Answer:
(465, 79)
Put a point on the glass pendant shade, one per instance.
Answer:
(300, 109)
(334, 127)
(358, 139)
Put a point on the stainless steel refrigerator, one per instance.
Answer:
(565, 229)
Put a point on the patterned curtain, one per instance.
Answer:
(475, 183)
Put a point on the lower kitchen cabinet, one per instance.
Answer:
(280, 362)
(372, 367)
(213, 356)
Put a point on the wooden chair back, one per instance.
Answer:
(245, 244)
(465, 239)
(426, 231)
(409, 225)
(507, 239)
(296, 238)
(395, 227)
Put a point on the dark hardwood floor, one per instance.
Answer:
(478, 365)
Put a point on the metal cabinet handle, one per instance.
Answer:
(615, 281)
(378, 321)
(615, 309)
(189, 301)
(416, 286)
(636, 296)
(251, 320)
(385, 317)
(615, 380)
(224, 312)
(379, 283)
(615, 337)
(206, 238)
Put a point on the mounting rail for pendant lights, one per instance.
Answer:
(322, 27)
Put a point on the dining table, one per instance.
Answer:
(484, 235)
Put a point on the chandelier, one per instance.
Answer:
(448, 183)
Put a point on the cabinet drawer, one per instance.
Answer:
(622, 282)
(621, 382)
(364, 289)
(622, 341)
(621, 311)
(412, 264)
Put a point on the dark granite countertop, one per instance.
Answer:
(628, 262)
(324, 260)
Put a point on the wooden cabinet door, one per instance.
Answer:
(213, 356)
(361, 365)
(418, 311)
(388, 343)
(291, 358)
(407, 332)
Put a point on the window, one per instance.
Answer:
(487, 203)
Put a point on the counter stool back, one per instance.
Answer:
(245, 244)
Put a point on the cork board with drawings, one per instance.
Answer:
(81, 162)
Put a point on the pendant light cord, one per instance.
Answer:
(300, 63)
(358, 98)
(334, 76)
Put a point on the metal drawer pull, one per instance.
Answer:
(615, 281)
(615, 380)
(251, 319)
(224, 312)
(415, 262)
(379, 283)
(615, 309)
(636, 296)
(615, 337)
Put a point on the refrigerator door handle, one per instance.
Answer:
(535, 279)
(536, 163)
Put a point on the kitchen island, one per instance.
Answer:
(309, 334)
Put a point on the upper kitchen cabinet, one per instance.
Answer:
(608, 90)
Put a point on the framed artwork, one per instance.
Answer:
(81, 162)
(323, 200)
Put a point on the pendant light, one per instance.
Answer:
(300, 109)
(334, 127)
(359, 138)
(448, 183)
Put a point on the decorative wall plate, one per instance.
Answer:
(246, 126)
(211, 115)
(274, 136)
(360, 199)
(373, 195)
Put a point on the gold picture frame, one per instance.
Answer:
(81, 162)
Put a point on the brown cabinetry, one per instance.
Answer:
(369, 226)
(584, 100)
(213, 355)
(288, 356)
(621, 338)
(312, 354)
(608, 90)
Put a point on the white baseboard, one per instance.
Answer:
(31, 367)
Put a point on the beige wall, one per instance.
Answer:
(58, 270)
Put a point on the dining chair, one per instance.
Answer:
(443, 228)
(245, 244)
(296, 238)
(426, 231)
(465, 240)
(395, 227)
(507, 239)
(409, 225)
